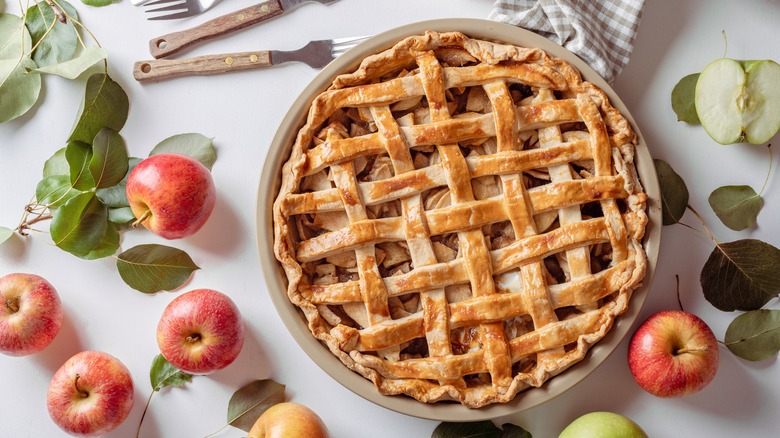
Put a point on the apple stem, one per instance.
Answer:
(143, 217)
(679, 301)
(83, 393)
(214, 433)
(148, 401)
(769, 171)
(12, 304)
(193, 338)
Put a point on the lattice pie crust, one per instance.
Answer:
(461, 220)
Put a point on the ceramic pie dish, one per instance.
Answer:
(429, 165)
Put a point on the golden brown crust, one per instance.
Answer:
(460, 219)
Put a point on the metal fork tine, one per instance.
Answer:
(341, 45)
(353, 40)
(184, 14)
(176, 7)
(162, 2)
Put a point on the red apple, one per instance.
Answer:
(30, 314)
(673, 353)
(288, 420)
(200, 331)
(171, 194)
(91, 394)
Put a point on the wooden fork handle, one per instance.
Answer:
(157, 69)
(173, 42)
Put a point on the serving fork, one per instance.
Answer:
(171, 43)
(316, 54)
(176, 8)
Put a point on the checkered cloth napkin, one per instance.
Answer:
(601, 32)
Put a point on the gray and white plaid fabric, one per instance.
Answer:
(601, 32)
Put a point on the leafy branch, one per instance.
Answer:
(46, 39)
(161, 375)
(83, 194)
(82, 190)
(245, 405)
(739, 275)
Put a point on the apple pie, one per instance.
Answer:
(460, 219)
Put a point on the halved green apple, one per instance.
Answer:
(739, 100)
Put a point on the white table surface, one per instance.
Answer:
(241, 111)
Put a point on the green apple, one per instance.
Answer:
(739, 100)
(602, 425)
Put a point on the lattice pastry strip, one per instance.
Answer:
(441, 213)
(472, 242)
(433, 302)
(534, 285)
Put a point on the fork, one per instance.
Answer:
(317, 54)
(171, 43)
(177, 8)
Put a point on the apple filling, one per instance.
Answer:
(394, 258)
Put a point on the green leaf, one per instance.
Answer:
(79, 155)
(121, 215)
(75, 67)
(514, 431)
(195, 145)
(19, 90)
(61, 43)
(754, 335)
(79, 226)
(5, 234)
(248, 403)
(55, 191)
(56, 165)
(105, 105)
(736, 206)
(674, 193)
(741, 275)
(684, 99)
(108, 245)
(164, 374)
(116, 196)
(151, 268)
(477, 429)
(98, 3)
(108, 164)
(15, 39)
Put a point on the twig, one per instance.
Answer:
(57, 11)
(698, 216)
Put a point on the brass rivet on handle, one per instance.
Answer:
(264, 7)
(240, 17)
(229, 60)
(253, 58)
